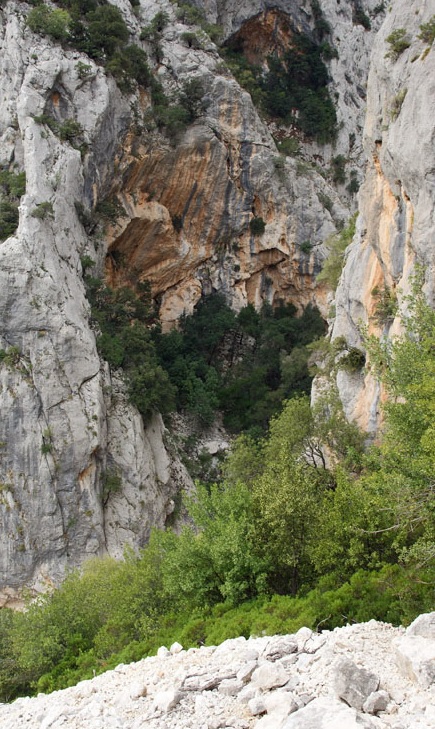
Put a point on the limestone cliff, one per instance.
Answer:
(188, 209)
(397, 199)
(80, 472)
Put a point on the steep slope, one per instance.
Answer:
(214, 208)
(397, 199)
(68, 435)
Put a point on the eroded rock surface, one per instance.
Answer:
(397, 199)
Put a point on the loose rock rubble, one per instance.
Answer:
(366, 676)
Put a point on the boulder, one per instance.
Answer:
(352, 684)
(423, 626)
(327, 713)
(280, 646)
(415, 657)
(269, 676)
(167, 700)
(377, 701)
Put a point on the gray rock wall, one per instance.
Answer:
(66, 426)
(397, 199)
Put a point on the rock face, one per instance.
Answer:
(80, 473)
(188, 209)
(210, 688)
(397, 199)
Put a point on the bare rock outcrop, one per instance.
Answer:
(397, 200)
(80, 473)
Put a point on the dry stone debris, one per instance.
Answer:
(235, 686)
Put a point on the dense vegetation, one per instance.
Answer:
(98, 29)
(243, 365)
(12, 187)
(287, 538)
(294, 89)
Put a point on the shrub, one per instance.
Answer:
(84, 70)
(396, 104)
(86, 262)
(191, 40)
(427, 31)
(12, 187)
(333, 264)
(54, 23)
(107, 31)
(353, 361)
(386, 304)
(306, 247)
(326, 201)
(43, 210)
(111, 484)
(337, 170)
(9, 218)
(69, 130)
(289, 146)
(257, 226)
(398, 41)
(360, 18)
(353, 185)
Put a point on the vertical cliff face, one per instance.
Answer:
(217, 208)
(397, 199)
(188, 210)
(80, 473)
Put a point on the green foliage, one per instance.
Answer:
(153, 34)
(12, 184)
(111, 484)
(124, 317)
(338, 172)
(43, 210)
(9, 219)
(257, 226)
(257, 375)
(54, 23)
(407, 369)
(359, 17)
(109, 210)
(398, 41)
(190, 14)
(12, 187)
(353, 361)
(353, 185)
(84, 70)
(386, 304)
(427, 31)
(98, 30)
(129, 64)
(284, 540)
(70, 130)
(333, 264)
(289, 146)
(11, 356)
(293, 89)
(396, 104)
(325, 201)
(86, 262)
(299, 82)
(306, 247)
(191, 40)
(173, 117)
